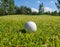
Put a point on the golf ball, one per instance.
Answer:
(30, 26)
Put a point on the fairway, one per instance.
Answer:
(12, 33)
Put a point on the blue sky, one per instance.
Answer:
(48, 4)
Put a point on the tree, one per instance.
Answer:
(41, 8)
(17, 10)
(22, 10)
(58, 6)
(55, 13)
(0, 3)
(3, 6)
(28, 10)
(0, 7)
(11, 7)
(7, 6)
(47, 12)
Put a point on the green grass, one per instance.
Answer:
(47, 35)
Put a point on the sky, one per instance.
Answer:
(49, 5)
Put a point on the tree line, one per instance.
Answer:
(7, 7)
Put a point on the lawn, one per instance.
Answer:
(12, 32)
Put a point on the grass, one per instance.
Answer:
(47, 35)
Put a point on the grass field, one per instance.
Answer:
(12, 35)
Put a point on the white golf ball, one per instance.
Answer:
(30, 26)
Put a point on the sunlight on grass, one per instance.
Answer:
(47, 35)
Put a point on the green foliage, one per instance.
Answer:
(41, 8)
(55, 13)
(48, 12)
(47, 35)
(59, 13)
(58, 5)
(34, 13)
(11, 6)
(7, 7)
(3, 7)
(23, 10)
